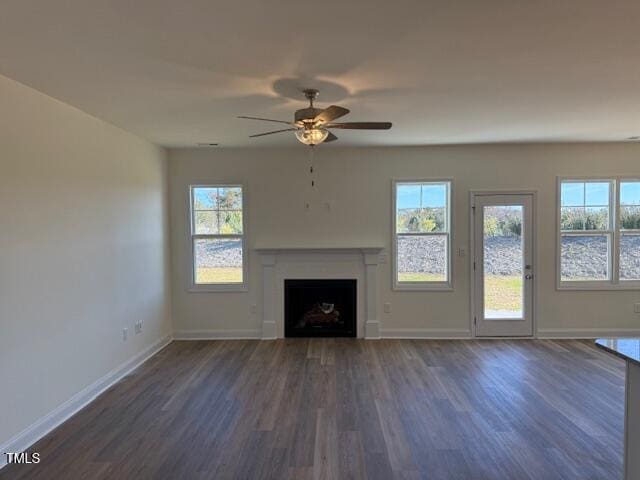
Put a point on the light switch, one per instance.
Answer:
(387, 307)
(462, 251)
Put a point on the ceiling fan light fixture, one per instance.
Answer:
(311, 125)
(312, 136)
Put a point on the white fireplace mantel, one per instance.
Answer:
(280, 263)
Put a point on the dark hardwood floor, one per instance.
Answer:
(345, 408)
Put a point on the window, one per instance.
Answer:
(217, 237)
(629, 231)
(422, 235)
(599, 244)
(586, 223)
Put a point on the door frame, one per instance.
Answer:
(534, 255)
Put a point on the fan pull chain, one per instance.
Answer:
(311, 169)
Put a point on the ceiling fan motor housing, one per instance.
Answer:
(308, 114)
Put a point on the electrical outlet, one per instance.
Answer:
(636, 307)
(125, 334)
(387, 307)
(138, 327)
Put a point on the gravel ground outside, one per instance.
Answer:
(219, 253)
(422, 254)
(586, 257)
(582, 257)
(426, 254)
(630, 257)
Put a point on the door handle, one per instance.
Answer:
(528, 276)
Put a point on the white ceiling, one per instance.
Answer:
(178, 72)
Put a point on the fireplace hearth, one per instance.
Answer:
(320, 308)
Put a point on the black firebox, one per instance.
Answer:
(320, 308)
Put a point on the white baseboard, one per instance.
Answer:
(53, 419)
(587, 333)
(219, 334)
(425, 333)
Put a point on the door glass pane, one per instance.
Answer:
(503, 262)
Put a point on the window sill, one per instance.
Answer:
(417, 287)
(219, 288)
(573, 287)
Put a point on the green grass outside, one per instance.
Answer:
(219, 275)
(501, 293)
(420, 277)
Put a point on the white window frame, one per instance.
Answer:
(429, 285)
(614, 282)
(192, 237)
(631, 284)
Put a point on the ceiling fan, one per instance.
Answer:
(312, 124)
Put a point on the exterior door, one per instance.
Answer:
(503, 266)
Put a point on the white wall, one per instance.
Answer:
(83, 252)
(357, 183)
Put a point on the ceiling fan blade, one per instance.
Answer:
(361, 125)
(330, 138)
(267, 120)
(275, 131)
(330, 113)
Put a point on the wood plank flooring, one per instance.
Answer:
(345, 408)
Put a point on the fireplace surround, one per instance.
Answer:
(320, 262)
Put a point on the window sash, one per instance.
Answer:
(195, 210)
(585, 182)
(447, 260)
(609, 236)
(214, 284)
(622, 232)
(585, 206)
(213, 236)
(586, 233)
(420, 234)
